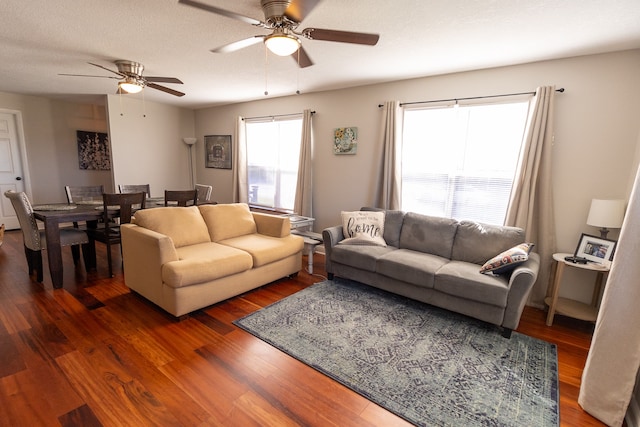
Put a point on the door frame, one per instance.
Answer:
(24, 163)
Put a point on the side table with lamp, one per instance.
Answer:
(592, 254)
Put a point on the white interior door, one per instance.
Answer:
(11, 177)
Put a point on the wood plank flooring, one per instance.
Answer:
(94, 354)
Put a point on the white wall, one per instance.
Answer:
(50, 140)
(596, 126)
(146, 143)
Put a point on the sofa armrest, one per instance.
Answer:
(272, 225)
(331, 236)
(144, 252)
(520, 285)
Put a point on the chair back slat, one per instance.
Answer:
(127, 203)
(85, 193)
(204, 192)
(182, 197)
(135, 188)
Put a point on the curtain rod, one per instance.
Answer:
(274, 116)
(472, 97)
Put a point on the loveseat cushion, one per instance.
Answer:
(266, 249)
(185, 226)
(204, 262)
(462, 279)
(428, 234)
(226, 221)
(362, 257)
(476, 242)
(410, 266)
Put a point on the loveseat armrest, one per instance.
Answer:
(272, 225)
(520, 285)
(144, 252)
(331, 237)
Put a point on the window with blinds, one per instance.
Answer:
(460, 161)
(273, 151)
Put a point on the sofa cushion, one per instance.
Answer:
(476, 242)
(226, 221)
(363, 228)
(428, 234)
(203, 263)
(462, 279)
(362, 257)
(410, 266)
(392, 225)
(506, 261)
(184, 226)
(266, 249)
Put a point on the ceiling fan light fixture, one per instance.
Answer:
(130, 85)
(282, 44)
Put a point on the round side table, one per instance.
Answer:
(569, 307)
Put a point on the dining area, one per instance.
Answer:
(90, 215)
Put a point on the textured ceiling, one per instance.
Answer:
(41, 38)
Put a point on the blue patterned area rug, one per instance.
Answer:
(427, 365)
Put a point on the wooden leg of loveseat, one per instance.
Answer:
(506, 332)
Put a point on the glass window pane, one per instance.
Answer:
(460, 162)
(273, 149)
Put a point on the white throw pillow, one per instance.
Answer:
(363, 228)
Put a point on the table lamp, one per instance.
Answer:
(606, 214)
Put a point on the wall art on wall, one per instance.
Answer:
(217, 149)
(93, 150)
(345, 140)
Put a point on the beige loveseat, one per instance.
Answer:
(184, 259)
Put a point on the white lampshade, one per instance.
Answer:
(606, 214)
(282, 44)
(189, 141)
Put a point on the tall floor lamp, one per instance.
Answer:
(190, 142)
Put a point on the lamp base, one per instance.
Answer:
(603, 232)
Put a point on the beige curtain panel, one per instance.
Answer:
(610, 373)
(240, 178)
(531, 201)
(303, 203)
(389, 179)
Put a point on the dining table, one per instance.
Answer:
(59, 213)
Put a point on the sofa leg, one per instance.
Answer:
(506, 332)
(330, 276)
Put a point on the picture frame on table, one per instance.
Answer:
(217, 151)
(595, 249)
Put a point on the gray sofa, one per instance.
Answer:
(437, 261)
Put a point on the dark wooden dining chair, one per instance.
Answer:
(118, 209)
(86, 193)
(135, 188)
(181, 197)
(34, 238)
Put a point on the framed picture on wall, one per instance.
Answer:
(217, 151)
(93, 150)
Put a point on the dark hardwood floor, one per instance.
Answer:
(94, 354)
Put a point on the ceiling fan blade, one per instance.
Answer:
(299, 9)
(87, 75)
(105, 68)
(301, 58)
(222, 12)
(341, 36)
(165, 89)
(163, 80)
(240, 44)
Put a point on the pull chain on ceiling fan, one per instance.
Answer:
(283, 17)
